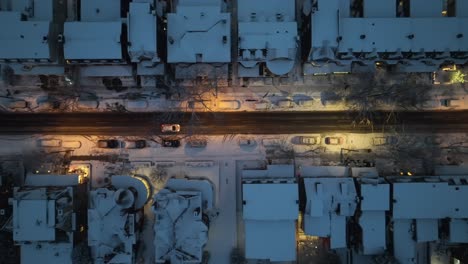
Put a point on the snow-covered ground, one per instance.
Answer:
(320, 93)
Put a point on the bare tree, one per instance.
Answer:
(378, 91)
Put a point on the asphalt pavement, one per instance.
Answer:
(210, 123)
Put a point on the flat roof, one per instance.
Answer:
(270, 201)
(142, 32)
(23, 39)
(44, 180)
(405, 249)
(429, 200)
(373, 232)
(391, 34)
(34, 220)
(324, 171)
(267, 9)
(92, 40)
(273, 240)
(42, 10)
(375, 197)
(100, 10)
(46, 253)
(198, 33)
(272, 171)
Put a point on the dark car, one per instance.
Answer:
(111, 143)
(171, 143)
(135, 144)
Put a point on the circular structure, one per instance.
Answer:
(124, 198)
(280, 66)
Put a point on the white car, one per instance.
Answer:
(170, 128)
(308, 140)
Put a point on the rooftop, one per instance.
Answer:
(429, 200)
(270, 201)
(270, 26)
(329, 202)
(192, 27)
(180, 233)
(24, 39)
(142, 32)
(267, 207)
(92, 40)
(100, 10)
(111, 228)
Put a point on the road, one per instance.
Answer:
(229, 123)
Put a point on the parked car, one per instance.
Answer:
(381, 141)
(135, 144)
(174, 128)
(308, 140)
(50, 143)
(197, 143)
(110, 143)
(229, 104)
(171, 143)
(334, 140)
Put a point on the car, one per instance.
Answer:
(50, 143)
(382, 141)
(334, 140)
(197, 143)
(109, 143)
(170, 128)
(171, 143)
(135, 144)
(308, 140)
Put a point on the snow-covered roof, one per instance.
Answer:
(324, 171)
(375, 201)
(268, 33)
(272, 171)
(381, 31)
(404, 249)
(203, 186)
(142, 32)
(329, 202)
(24, 39)
(92, 40)
(458, 231)
(37, 215)
(46, 253)
(273, 240)
(139, 183)
(373, 232)
(429, 200)
(180, 233)
(111, 228)
(44, 180)
(270, 202)
(267, 207)
(35, 10)
(403, 34)
(198, 33)
(34, 220)
(375, 197)
(100, 10)
(364, 172)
